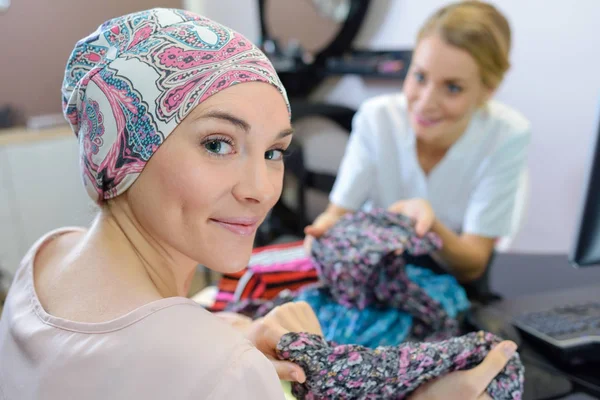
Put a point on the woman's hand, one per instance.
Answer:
(417, 209)
(321, 225)
(296, 317)
(471, 384)
(266, 332)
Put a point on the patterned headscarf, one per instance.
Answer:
(130, 83)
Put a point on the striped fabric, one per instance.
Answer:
(270, 270)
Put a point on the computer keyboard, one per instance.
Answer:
(571, 332)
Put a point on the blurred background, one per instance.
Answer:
(332, 55)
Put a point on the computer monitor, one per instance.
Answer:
(585, 251)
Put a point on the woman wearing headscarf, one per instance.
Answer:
(182, 125)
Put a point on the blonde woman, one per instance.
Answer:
(442, 151)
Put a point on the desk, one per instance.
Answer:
(534, 282)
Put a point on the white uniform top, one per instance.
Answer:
(472, 189)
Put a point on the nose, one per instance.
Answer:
(257, 183)
(428, 97)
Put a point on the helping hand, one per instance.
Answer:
(266, 332)
(470, 384)
(418, 210)
(321, 225)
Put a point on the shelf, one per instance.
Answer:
(21, 135)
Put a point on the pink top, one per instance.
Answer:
(168, 349)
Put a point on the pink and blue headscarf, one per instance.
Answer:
(131, 82)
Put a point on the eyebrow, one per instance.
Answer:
(448, 80)
(223, 116)
(240, 123)
(456, 80)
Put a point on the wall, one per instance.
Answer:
(286, 19)
(40, 190)
(241, 15)
(554, 82)
(37, 38)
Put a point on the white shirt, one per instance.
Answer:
(472, 189)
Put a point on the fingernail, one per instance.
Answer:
(296, 377)
(509, 348)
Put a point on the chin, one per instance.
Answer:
(223, 251)
(432, 135)
(228, 261)
(425, 135)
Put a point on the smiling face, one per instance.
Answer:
(204, 193)
(443, 90)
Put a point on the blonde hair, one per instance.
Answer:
(478, 28)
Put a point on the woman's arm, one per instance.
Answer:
(489, 214)
(466, 255)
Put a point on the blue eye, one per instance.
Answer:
(452, 88)
(218, 147)
(275, 154)
(419, 77)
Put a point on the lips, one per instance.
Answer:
(243, 226)
(426, 122)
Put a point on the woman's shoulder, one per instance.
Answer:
(385, 117)
(394, 103)
(39, 246)
(192, 340)
(507, 120)
(50, 236)
(197, 351)
(193, 329)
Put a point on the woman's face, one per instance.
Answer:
(443, 89)
(206, 190)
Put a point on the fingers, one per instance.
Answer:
(273, 333)
(308, 242)
(308, 230)
(396, 208)
(321, 225)
(280, 315)
(419, 210)
(288, 371)
(311, 321)
(425, 219)
(265, 334)
(317, 230)
(295, 317)
(423, 225)
(494, 362)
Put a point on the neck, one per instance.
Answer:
(140, 258)
(432, 150)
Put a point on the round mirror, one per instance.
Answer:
(311, 24)
(335, 10)
(4, 4)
